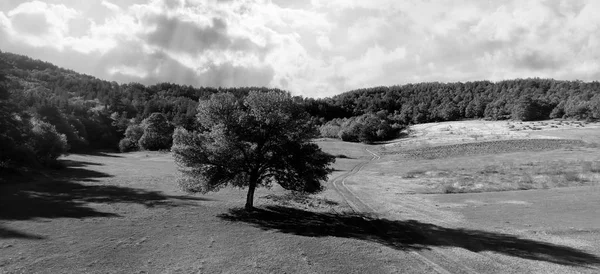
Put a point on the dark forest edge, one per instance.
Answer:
(46, 111)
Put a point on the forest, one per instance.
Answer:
(46, 111)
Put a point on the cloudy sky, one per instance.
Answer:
(313, 48)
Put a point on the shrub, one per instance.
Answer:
(157, 133)
(330, 130)
(133, 134)
(127, 145)
(55, 117)
(101, 134)
(46, 142)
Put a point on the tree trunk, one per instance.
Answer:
(250, 196)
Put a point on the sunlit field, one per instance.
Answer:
(527, 205)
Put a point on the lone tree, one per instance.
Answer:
(258, 140)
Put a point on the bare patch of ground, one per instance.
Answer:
(457, 132)
(556, 155)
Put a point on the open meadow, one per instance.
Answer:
(536, 180)
(496, 201)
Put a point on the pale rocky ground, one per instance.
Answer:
(456, 132)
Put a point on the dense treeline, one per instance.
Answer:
(89, 113)
(46, 110)
(521, 99)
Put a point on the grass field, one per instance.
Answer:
(552, 157)
(544, 185)
(492, 205)
(123, 213)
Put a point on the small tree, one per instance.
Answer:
(157, 132)
(258, 140)
(48, 144)
(133, 134)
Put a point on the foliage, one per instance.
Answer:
(97, 112)
(157, 133)
(133, 134)
(13, 129)
(128, 145)
(59, 120)
(366, 128)
(257, 140)
(434, 102)
(47, 143)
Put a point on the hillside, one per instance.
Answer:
(102, 107)
(94, 113)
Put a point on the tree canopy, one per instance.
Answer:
(157, 132)
(258, 140)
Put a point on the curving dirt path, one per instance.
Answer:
(436, 261)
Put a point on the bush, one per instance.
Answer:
(157, 133)
(330, 129)
(52, 115)
(128, 145)
(367, 128)
(46, 142)
(133, 134)
(101, 134)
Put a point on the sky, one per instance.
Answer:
(313, 48)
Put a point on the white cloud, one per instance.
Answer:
(138, 72)
(111, 6)
(319, 48)
(371, 67)
(39, 24)
(324, 42)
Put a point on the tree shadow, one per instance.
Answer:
(99, 153)
(406, 235)
(6, 233)
(72, 163)
(68, 194)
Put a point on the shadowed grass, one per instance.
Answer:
(67, 193)
(406, 235)
(6, 233)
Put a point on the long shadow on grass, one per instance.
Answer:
(100, 153)
(406, 235)
(6, 233)
(68, 193)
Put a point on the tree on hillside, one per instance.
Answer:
(11, 127)
(25, 141)
(258, 140)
